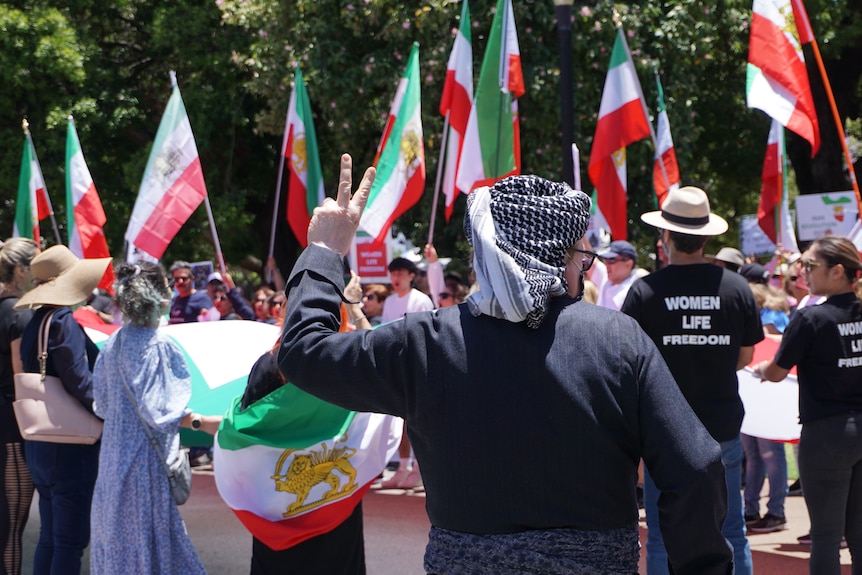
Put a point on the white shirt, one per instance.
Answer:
(613, 295)
(396, 306)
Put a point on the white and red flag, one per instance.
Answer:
(305, 183)
(400, 177)
(33, 204)
(492, 144)
(773, 214)
(665, 174)
(622, 121)
(173, 183)
(455, 105)
(776, 78)
(85, 216)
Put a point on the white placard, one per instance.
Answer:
(823, 214)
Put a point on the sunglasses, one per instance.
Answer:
(370, 296)
(260, 300)
(277, 303)
(808, 264)
(612, 260)
(220, 298)
(587, 258)
(181, 279)
(444, 295)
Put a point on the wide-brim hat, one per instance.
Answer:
(62, 278)
(686, 210)
(728, 255)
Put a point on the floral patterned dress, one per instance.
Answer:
(136, 526)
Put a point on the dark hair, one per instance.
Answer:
(839, 250)
(402, 264)
(140, 290)
(687, 243)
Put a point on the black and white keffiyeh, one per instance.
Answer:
(520, 230)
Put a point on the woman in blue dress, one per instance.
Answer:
(136, 526)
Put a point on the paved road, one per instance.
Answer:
(396, 530)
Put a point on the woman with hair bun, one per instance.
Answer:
(15, 280)
(136, 526)
(825, 343)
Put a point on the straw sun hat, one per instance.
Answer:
(686, 210)
(62, 279)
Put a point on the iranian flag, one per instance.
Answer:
(173, 183)
(773, 213)
(291, 466)
(401, 170)
(456, 104)
(776, 78)
(33, 204)
(492, 144)
(665, 174)
(305, 184)
(85, 216)
(622, 121)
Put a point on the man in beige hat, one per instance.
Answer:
(705, 322)
(727, 258)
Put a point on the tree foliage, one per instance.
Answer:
(107, 64)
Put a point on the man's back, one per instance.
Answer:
(699, 316)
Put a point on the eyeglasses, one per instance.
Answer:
(586, 260)
(808, 264)
(219, 298)
(444, 295)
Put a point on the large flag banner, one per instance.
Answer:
(401, 170)
(776, 78)
(665, 174)
(456, 104)
(772, 212)
(492, 144)
(173, 183)
(33, 204)
(305, 184)
(291, 466)
(84, 213)
(622, 121)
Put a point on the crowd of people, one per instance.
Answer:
(507, 356)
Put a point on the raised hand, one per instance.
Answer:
(333, 224)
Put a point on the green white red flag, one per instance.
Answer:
(773, 213)
(456, 103)
(492, 144)
(622, 121)
(85, 216)
(401, 169)
(776, 77)
(33, 204)
(665, 174)
(305, 183)
(291, 466)
(173, 183)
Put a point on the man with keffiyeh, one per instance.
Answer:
(563, 417)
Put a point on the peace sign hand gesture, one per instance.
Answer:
(334, 223)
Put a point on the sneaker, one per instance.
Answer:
(795, 489)
(412, 480)
(751, 518)
(768, 524)
(394, 482)
(806, 540)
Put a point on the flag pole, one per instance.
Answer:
(503, 89)
(838, 124)
(276, 204)
(26, 126)
(437, 182)
(219, 255)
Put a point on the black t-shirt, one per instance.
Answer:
(12, 324)
(699, 316)
(825, 342)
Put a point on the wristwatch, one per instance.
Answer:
(197, 421)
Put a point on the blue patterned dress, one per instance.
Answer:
(136, 526)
